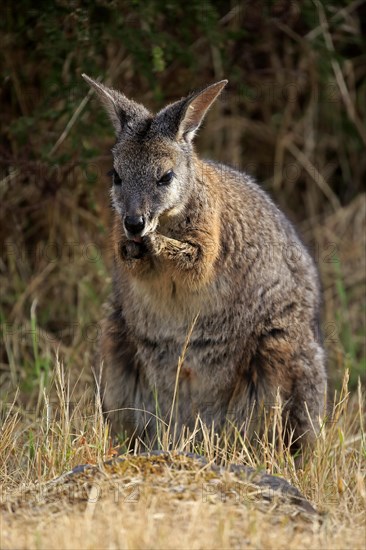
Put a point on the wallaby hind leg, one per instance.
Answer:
(295, 368)
(121, 385)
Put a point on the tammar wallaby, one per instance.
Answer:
(203, 261)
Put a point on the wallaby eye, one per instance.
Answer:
(116, 180)
(166, 178)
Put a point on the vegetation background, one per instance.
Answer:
(293, 116)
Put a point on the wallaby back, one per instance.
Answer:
(201, 249)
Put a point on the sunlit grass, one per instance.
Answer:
(67, 430)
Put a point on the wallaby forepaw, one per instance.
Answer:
(153, 243)
(131, 250)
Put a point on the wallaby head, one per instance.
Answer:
(153, 156)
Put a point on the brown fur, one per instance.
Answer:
(215, 249)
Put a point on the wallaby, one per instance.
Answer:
(201, 250)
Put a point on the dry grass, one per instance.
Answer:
(154, 503)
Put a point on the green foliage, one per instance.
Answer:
(153, 46)
(352, 343)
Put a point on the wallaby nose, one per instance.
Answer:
(134, 224)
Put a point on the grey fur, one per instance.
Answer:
(215, 248)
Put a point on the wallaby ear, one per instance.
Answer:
(120, 109)
(183, 118)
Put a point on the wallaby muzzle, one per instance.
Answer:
(134, 226)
